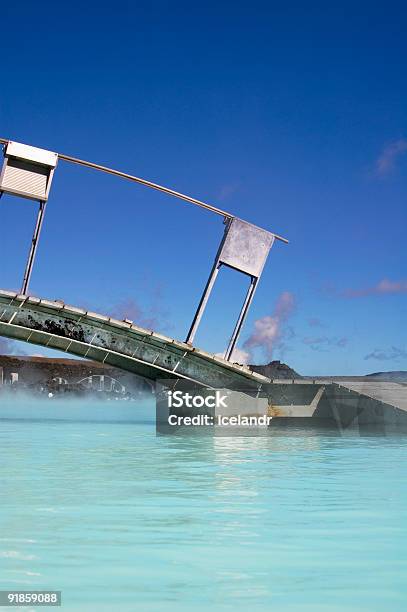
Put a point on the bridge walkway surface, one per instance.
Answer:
(391, 393)
(123, 344)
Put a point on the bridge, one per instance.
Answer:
(28, 172)
(356, 405)
(122, 344)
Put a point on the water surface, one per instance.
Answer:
(95, 505)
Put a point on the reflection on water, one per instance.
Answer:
(118, 518)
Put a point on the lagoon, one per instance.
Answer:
(94, 504)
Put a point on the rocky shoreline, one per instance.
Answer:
(79, 376)
(44, 375)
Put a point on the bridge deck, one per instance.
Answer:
(123, 344)
(391, 393)
(144, 352)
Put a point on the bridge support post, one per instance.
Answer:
(208, 287)
(33, 248)
(244, 248)
(204, 300)
(242, 316)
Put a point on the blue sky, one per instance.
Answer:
(291, 116)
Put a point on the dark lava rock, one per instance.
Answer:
(275, 369)
(393, 376)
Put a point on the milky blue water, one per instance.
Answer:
(119, 519)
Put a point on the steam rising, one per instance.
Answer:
(268, 331)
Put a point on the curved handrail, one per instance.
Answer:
(146, 183)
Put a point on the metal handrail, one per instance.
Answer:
(146, 183)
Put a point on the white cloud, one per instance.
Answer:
(269, 330)
(393, 354)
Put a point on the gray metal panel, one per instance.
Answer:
(27, 171)
(25, 179)
(26, 152)
(246, 247)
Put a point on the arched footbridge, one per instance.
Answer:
(123, 344)
(342, 403)
(28, 172)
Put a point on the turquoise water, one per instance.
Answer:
(119, 519)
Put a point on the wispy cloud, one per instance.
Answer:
(129, 309)
(239, 356)
(383, 287)
(154, 317)
(315, 322)
(269, 331)
(227, 190)
(321, 343)
(393, 354)
(387, 160)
